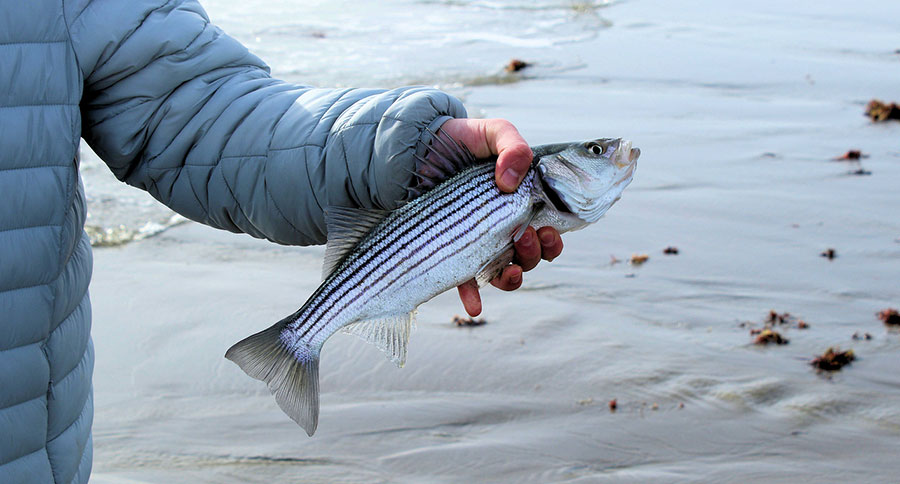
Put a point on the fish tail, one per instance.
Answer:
(292, 374)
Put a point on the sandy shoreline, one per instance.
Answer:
(522, 398)
(738, 112)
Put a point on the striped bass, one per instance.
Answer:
(380, 266)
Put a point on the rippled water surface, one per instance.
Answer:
(738, 108)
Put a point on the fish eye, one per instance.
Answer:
(595, 149)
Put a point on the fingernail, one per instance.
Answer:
(515, 278)
(509, 179)
(526, 240)
(546, 237)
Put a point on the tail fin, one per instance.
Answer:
(293, 379)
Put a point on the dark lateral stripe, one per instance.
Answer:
(372, 252)
(340, 299)
(447, 197)
(366, 265)
(439, 198)
(434, 208)
(471, 241)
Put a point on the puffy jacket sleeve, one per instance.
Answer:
(182, 110)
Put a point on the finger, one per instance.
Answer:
(513, 154)
(471, 299)
(487, 137)
(528, 250)
(551, 243)
(510, 279)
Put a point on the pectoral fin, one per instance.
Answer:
(492, 269)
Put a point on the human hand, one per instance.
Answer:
(484, 138)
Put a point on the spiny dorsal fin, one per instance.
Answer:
(346, 227)
(390, 334)
(443, 158)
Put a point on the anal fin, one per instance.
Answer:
(390, 334)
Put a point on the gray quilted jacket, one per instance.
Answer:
(178, 108)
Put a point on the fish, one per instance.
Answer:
(380, 266)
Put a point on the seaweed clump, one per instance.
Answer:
(880, 111)
(889, 316)
(516, 65)
(833, 359)
(768, 336)
(774, 317)
(638, 259)
(468, 322)
(852, 155)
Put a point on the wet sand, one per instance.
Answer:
(738, 112)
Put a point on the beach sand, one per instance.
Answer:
(738, 111)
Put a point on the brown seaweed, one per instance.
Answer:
(852, 155)
(516, 65)
(889, 316)
(774, 317)
(638, 259)
(468, 322)
(880, 111)
(768, 336)
(833, 359)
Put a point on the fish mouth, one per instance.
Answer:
(625, 158)
(625, 155)
(633, 154)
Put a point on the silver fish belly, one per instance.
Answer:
(381, 266)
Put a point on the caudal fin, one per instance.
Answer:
(294, 380)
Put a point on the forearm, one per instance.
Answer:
(178, 108)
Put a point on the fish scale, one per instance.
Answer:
(388, 246)
(381, 266)
(388, 234)
(425, 248)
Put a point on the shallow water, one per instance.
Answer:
(738, 109)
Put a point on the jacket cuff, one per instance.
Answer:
(399, 135)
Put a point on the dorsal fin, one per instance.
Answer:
(443, 158)
(346, 227)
